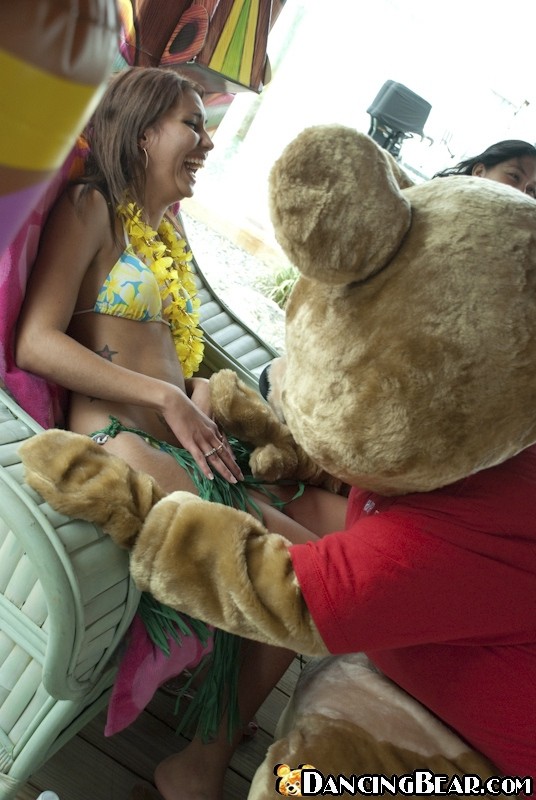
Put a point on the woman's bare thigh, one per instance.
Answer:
(142, 456)
(316, 510)
(278, 522)
(319, 510)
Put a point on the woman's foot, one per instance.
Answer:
(187, 776)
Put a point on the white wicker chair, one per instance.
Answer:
(66, 600)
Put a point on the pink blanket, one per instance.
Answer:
(143, 669)
(42, 401)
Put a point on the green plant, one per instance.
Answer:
(278, 286)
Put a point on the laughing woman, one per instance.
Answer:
(108, 307)
(110, 312)
(110, 316)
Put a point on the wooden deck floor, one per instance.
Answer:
(92, 767)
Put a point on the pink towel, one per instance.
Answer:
(143, 669)
(42, 401)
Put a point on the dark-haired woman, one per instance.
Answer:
(512, 162)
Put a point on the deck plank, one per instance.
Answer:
(79, 771)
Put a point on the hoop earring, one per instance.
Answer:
(146, 157)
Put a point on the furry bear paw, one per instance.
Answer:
(77, 477)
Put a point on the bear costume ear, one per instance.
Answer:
(336, 204)
(281, 769)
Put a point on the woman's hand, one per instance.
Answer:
(199, 434)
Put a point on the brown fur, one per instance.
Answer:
(411, 335)
(242, 413)
(246, 586)
(78, 477)
(346, 718)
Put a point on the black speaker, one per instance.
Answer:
(396, 114)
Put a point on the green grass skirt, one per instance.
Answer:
(218, 693)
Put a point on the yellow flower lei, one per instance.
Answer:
(168, 257)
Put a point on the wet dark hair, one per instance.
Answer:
(134, 100)
(495, 154)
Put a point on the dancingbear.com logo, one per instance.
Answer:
(288, 781)
(306, 781)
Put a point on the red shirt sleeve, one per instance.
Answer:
(387, 583)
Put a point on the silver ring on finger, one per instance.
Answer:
(210, 452)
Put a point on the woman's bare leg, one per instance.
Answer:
(142, 456)
(316, 510)
(179, 776)
(198, 771)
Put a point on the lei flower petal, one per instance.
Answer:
(168, 257)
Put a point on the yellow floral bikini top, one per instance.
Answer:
(130, 291)
(160, 288)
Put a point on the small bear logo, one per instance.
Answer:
(288, 781)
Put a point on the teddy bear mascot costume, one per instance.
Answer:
(410, 376)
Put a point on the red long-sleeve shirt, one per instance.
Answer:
(439, 589)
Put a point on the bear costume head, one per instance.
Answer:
(411, 333)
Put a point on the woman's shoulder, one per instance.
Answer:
(87, 200)
(80, 216)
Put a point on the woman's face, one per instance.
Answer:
(518, 172)
(177, 147)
